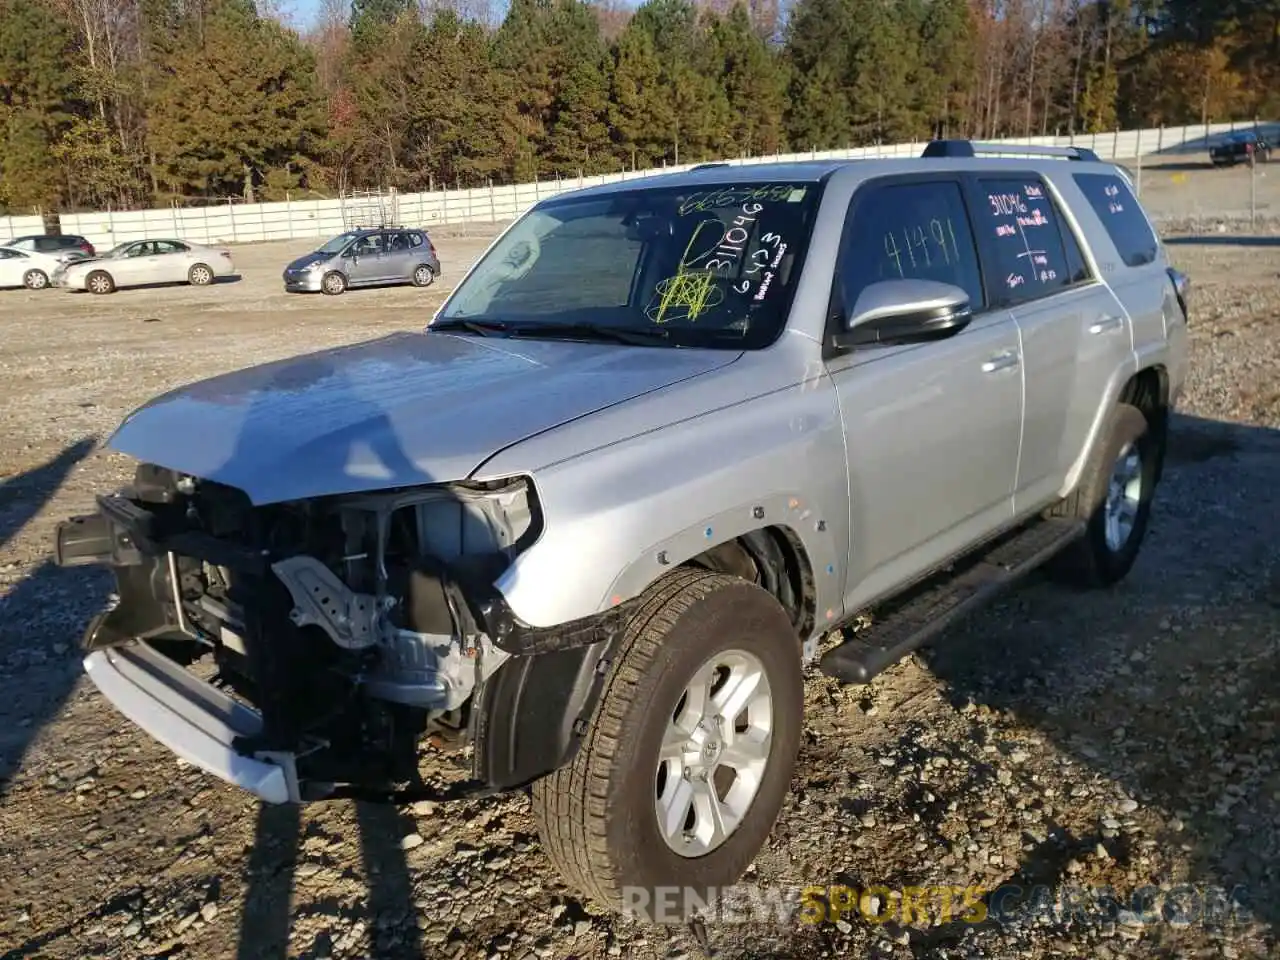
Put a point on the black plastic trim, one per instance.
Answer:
(965, 148)
(529, 717)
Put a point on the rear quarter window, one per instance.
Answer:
(1121, 217)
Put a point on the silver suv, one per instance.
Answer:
(360, 258)
(663, 439)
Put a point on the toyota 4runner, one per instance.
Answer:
(663, 439)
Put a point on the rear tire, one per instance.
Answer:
(423, 275)
(100, 282)
(333, 284)
(644, 756)
(1114, 496)
(200, 275)
(35, 279)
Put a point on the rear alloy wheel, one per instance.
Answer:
(100, 282)
(1114, 496)
(333, 284)
(35, 279)
(423, 276)
(200, 275)
(688, 759)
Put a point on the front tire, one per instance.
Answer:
(35, 279)
(1114, 496)
(100, 282)
(333, 284)
(688, 759)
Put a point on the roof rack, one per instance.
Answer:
(973, 148)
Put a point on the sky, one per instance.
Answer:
(302, 14)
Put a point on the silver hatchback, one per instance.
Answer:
(361, 258)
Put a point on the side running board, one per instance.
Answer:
(909, 621)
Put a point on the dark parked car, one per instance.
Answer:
(55, 244)
(1239, 148)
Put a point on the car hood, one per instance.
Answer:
(305, 261)
(402, 410)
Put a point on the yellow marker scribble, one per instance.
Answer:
(694, 291)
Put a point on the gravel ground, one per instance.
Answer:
(1067, 744)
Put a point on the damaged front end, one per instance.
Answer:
(338, 632)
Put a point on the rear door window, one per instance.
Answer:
(913, 231)
(1121, 217)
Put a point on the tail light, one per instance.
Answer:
(87, 248)
(226, 254)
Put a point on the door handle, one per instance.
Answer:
(1105, 324)
(1001, 361)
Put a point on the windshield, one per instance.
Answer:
(119, 248)
(337, 244)
(713, 265)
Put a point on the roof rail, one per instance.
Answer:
(973, 148)
(708, 166)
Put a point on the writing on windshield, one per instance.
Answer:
(719, 262)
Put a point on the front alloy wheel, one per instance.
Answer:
(100, 282)
(714, 753)
(686, 763)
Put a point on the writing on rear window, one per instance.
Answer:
(1028, 253)
(1121, 217)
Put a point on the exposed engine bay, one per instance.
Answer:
(349, 623)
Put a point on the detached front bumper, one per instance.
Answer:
(196, 721)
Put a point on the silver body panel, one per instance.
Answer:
(882, 462)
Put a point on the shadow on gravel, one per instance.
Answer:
(34, 679)
(267, 910)
(1223, 240)
(1167, 686)
(267, 913)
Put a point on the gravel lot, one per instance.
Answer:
(1060, 741)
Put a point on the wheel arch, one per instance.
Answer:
(1148, 390)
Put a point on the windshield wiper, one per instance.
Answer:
(627, 335)
(482, 327)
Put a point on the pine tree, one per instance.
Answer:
(641, 115)
(38, 103)
(236, 105)
(754, 84)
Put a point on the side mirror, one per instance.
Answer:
(904, 311)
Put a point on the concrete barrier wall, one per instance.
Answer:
(302, 219)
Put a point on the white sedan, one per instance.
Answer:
(146, 262)
(27, 268)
